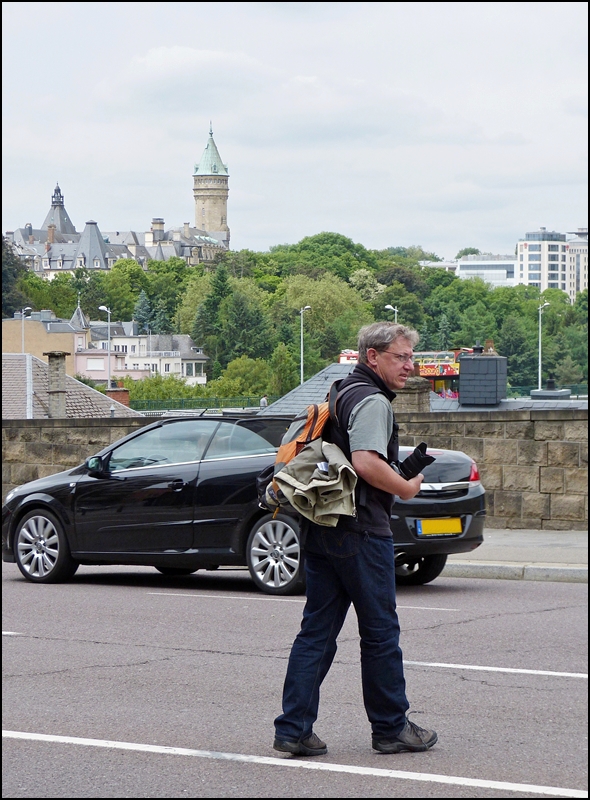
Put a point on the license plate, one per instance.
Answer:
(449, 526)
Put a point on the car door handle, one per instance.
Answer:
(177, 485)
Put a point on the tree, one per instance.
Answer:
(443, 333)
(365, 282)
(142, 313)
(13, 269)
(244, 328)
(517, 343)
(468, 251)
(568, 372)
(284, 371)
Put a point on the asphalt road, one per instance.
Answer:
(124, 683)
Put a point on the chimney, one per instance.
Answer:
(158, 229)
(51, 233)
(56, 374)
(187, 230)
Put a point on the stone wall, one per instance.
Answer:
(533, 464)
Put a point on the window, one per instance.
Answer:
(123, 348)
(166, 367)
(180, 442)
(189, 370)
(534, 248)
(104, 345)
(135, 365)
(535, 257)
(553, 257)
(133, 348)
(154, 367)
(95, 364)
(553, 248)
(232, 440)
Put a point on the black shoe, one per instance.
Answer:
(312, 746)
(412, 738)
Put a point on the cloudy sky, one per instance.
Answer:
(441, 124)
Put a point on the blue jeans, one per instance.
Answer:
(344, 568)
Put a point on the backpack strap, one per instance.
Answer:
(335, 394)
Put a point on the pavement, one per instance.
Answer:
(528, 555)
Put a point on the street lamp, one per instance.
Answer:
(108, 310)
(305, 308)
(22, 326)
(540, 310)
(394, 309)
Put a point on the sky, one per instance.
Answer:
(445, 125)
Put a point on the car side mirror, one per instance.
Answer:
(95, 466)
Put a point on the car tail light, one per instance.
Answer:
(474, 474)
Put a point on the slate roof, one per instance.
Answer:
(23, 371)
(57, 214)
(313, 390)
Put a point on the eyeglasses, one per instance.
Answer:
(401, 358)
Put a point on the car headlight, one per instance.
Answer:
(9, 496)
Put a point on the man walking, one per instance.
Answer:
(354, 562)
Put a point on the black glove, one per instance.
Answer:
(415, 463)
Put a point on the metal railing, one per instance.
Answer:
(198, 402)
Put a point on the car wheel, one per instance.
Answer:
(274, 555)
(176, 571)
(41, 549)
(415, 571)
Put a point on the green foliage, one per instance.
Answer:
(13, 271)
(243, 376)
(516, 341)
(468, 251)
(246, 312)
(284, 371)
(100, 387)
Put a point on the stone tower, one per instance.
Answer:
(211, 191)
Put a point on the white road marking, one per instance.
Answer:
(266, 599)
(583, 675)
(424, 777)
(500, 669)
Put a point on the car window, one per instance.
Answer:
(233, 440)
(174, 443)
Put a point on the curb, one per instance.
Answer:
(515, 572)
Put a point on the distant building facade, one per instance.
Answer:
(57, 247)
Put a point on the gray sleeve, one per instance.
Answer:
(371, 424)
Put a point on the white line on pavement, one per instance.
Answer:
(266, 598)
(500, 669)
(315, 765)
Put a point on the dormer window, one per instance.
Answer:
(96, 263)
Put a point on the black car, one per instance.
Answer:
(180, 495)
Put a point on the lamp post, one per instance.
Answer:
(22, 326)
(108, 310)
(394, 309)
(305, 308)
(540, 310)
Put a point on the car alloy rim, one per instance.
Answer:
(38, 546)
(275, 553)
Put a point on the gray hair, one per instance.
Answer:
(379, 335)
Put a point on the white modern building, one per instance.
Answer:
(577, 262)
(543, 260)
(496, 270)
